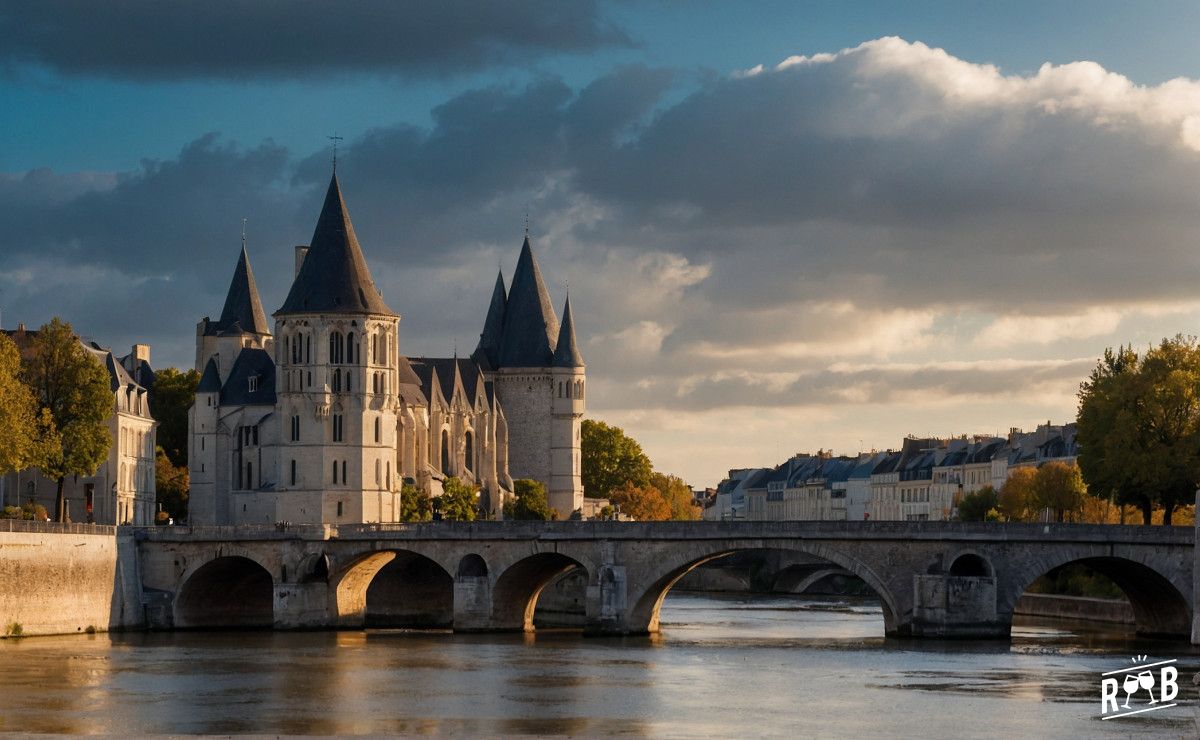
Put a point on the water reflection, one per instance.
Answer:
(732, 666)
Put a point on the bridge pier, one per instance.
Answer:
(473, 604)
(961, 607)
(302, 606)
(607, 604)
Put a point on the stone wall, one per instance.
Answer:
(57, 579)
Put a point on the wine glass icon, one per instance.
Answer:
(1131, 686)
(1146, 680)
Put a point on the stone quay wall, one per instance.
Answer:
(64, 579)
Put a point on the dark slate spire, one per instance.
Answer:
(566, 353)
(334, 277)
(243, 311)
(530, 326)
(488, 351)
(210, 381)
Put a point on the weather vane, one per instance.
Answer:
(526, 222)
(335, 139)
(243, 233)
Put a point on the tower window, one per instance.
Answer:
(343, 471)
(378, 430)
(339, 509)
(296, 428)
(335, 471)
(253, 380)
(337, 427)
(349, 348)
(293, 472)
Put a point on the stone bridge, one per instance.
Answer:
(933, 579)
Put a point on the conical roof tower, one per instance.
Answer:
(334, 277)
(566, 352)
(530, 326)
(243, 311)
(488, 351)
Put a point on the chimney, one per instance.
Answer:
(301, 253)
(141, 353)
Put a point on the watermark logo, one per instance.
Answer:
(1150, 686)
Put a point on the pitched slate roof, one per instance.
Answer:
(334, 277)
(530, 326)
(566, 352)
(243, 311)
(250, 363)
(488, 351)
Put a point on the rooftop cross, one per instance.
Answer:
(335, 139)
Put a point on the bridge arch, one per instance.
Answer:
(472, 565)
(972, 564)
(393, 588)
(1160, 607)
(229, 591)
(797, 580)
(515, 593)
(646, 601)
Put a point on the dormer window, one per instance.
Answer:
(253, 380)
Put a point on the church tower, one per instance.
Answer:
(529, 357)
(336, 382)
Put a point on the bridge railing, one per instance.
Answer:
(34, 527)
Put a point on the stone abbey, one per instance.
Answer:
(324, 419)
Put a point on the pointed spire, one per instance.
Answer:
(530, 326)
(566, 353)
(488, 351)
(243, 311)
(334, 277)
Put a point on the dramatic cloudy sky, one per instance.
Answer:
(794, 226)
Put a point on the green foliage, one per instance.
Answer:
(172, 485)
(172, 396)
(1139, 427)
(993, 515)
(29, 511)
(530, 503)
(74, 388)
(974, 507)
(14, 629)
(19, 414)
(677, 495)
(1059, 487)
(609, 459)
(459, 502)
(415, 504)
(1076, 580)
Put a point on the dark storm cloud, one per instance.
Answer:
(235, 39)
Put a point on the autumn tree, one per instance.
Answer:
(459, 501)
(172, 485)
(170, 398)
(530, 503)
(1059, 487)
(415, 504)
(642, 503)
(1139, 427)
(21, 420)
(677, 495)
(1017, 497)
(609, 459)
(74, 389)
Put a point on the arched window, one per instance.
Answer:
(350, 348)
(337, 381)
(293, 472)
(445, 451)
(286, 350)
(560, 389)
(308, 347)
(348, 380)
(470, 452)
(375, 348)
(335, 471)
(389, 475)
(378, 429)
(378, 473)
(336, 349)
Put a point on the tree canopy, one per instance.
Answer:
(173, 394)
(74, 389)
(1139, 427)
(171, 485)
(1058, 487)
(21, 420)
(459, 502)
(975, 506)
(530, 502)
(609, 459)
(1017, 496)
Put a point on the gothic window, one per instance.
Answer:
(254, 434)
(308, 348)
(336, 349)
(389, 475)
(560, 389)
(339, 503)
(470, 453)
(286, 350)
(310, 378)
(337, 427)
(296, 428)
(374, 348)
(293, 472)
(350, 348)
(378, 430)
(348, 376)
(343, 471)
(378, 473)
(249, 475)
(337, 381)
(445, 452)
(253, 381)
(335, 471)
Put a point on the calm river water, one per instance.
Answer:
(767, 666)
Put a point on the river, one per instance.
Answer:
(737, 666)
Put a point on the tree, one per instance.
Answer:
(74, 388)
(20, 418)
(458, 502)
(1016, 495)
(172, 484)
(975, 506)
(1139, 427)
(415, 504)
(609, 459)
(1058, 486)
(677, 495)
(643, 503)
(172, 396)
(530, 503)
